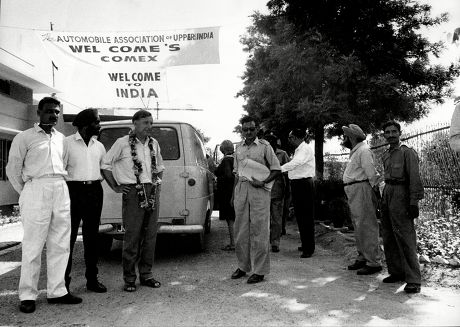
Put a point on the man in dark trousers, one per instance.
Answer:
(83, 155)
(403, 189)
(301, 171)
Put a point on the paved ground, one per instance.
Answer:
(197, 290)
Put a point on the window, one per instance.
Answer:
(5, 146)
(166, 137)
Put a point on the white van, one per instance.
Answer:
(186, 198)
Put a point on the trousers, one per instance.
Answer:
(362, 202)
(252, 228)
(45, 211)
(85, 205)
(276, 220)
(141, 227)
(399, 237)
(303, 198)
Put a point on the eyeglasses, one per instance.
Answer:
(245, 129)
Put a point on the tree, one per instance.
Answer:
(325, 63)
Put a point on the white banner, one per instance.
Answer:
(131, 64)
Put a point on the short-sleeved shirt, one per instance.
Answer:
(119, 160)
(260, 151)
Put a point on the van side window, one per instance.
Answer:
(166, 137)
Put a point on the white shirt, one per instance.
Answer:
(83, 162)
(361, 165)
(119, 160)
(35, 154)
(302, 164)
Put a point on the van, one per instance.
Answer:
(186, 197)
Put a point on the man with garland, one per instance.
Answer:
(134, 167)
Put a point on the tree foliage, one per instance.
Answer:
(325, 63)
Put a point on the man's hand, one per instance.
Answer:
(122, 189)
(413, 211)
(256, 183)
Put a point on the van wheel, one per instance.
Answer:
(105, 243)
(207, 223)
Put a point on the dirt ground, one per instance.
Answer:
(197, 291)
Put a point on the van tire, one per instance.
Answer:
(105, 243)
(207, 223)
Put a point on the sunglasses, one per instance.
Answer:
(245, 129)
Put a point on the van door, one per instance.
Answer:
(172, 196)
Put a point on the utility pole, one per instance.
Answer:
(52, 62)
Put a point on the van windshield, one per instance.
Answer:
(166, 137)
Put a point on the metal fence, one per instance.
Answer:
(439, 167)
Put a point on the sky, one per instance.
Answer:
(211, 88)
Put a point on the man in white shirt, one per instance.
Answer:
(301, 171)
(134, 167)
(359, 178)
(83, 155)
(36, 171)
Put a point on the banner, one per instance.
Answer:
(132, 64)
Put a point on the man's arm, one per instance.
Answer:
(107, 165)
(415, 183)
(301, 157)
(108, 176)
(15, 164)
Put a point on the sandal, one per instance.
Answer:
(228, 247)
(130, 287)
(151, 282)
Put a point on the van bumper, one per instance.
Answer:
(180, 229)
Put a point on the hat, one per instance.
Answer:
(85, 117)
(353, 130)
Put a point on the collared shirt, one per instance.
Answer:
(35, 154)
(361, 165)
(119, 160)
(401, 165)
(302, 164)
(259, 151)
(83, 162)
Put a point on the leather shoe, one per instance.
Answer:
(275, 248)
(306, 255)
(300, 248)
(66, 299)
(393, 279)
(357, 265)
(367, 270)
(27, 306)
(238, 274)
(96, 286)
(255, 279)
(412, 288)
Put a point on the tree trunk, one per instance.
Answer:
(319, 145)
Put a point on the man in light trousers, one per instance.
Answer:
(359, 178)
(36, 171)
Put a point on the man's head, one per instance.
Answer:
(352, 135)
(249, 127)
(48, 110)
(143, 122)
(296, 137)
(88, 122)
(392, 132)
(273, 140)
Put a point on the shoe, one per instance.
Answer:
(96, 286)
(300, 248)
(357, 265)
(367, 270)
(306, 255)
(238, 274)
(283, 232)
(151, 282)
(255, 279)
(275, 248)
(27, 306)
(130, 287)
(393, 279)
(66, 299)
(412, 288)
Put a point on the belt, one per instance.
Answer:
(84, 182)
(393, 182)
(356, 182)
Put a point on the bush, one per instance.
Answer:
(9, 215)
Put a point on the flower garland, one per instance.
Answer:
(145, 202)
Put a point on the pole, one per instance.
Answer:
(158, 109)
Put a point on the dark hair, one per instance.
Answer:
(299, 133)
(392, 123)
(141, 114)
(46, 100)
(248, 119)
(359, 139)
